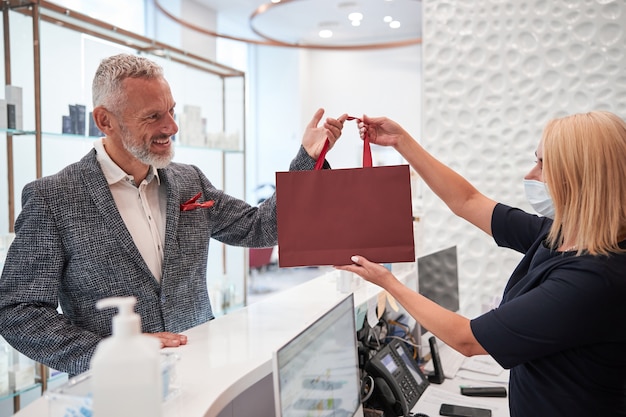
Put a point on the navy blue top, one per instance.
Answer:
(561, 326)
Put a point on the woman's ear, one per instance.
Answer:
(103, 119)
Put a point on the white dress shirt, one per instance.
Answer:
(142, 208)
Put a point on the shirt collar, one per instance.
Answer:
(112, 172)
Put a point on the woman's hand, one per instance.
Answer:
(369, 271)
(381, 130)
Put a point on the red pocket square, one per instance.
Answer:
(191, 204)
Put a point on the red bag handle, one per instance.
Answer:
(367, 151)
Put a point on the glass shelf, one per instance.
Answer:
(17, 132)
(85, 137)
(20, 391)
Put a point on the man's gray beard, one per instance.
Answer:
(144, 155)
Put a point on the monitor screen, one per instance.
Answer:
(438, 278)
(316, 374)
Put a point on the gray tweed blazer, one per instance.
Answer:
(72, 248)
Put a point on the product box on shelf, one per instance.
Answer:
(223, 140)
(94, 131)
(76, 122)
(13, 96)
(74, 398)
(5, 361)
(21, 372)
(21, 376)
(3, 114)
(191, 127)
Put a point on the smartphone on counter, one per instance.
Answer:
(453, 410)
(494, 391)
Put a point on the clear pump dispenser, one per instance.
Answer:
(126, 367)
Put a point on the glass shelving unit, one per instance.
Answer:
(52, 53)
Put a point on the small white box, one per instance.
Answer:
(13, 96)
(5, 387)
(3, 114)
(190, 131)
(21, 376)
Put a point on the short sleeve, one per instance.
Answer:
(552, 316)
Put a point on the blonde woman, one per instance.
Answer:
(561, 326)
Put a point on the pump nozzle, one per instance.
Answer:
(126, 322)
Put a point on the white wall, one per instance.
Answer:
(290, 85)
(275, 122)
(494, 72)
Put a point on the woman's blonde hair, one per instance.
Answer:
(584, 165)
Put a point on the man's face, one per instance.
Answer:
(146, 122)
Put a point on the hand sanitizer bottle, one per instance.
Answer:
(126, 367)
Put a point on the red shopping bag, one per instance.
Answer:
(326, 216)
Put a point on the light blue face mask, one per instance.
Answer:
(539, 198)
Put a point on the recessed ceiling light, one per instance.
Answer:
(355, 16)
(263, 23)
(394, 25)
(387, 19)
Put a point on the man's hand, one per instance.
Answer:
(170, 339)
(315, 137)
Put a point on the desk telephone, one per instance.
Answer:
(398, 380)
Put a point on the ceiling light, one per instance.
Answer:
(387, 19)
(355, 16)
(394, 25)
(326, 33)
(291, 23)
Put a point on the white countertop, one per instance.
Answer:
(227, 355)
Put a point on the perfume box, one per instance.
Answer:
(13, 97)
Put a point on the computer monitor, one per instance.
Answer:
(316, 374)
(438, 278)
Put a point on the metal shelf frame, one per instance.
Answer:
(41, 10)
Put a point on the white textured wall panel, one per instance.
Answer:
(494, 73)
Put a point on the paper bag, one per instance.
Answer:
(327, 216)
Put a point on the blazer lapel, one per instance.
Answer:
(172, 215)
(98, 188)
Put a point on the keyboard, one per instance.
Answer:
(451, 360)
